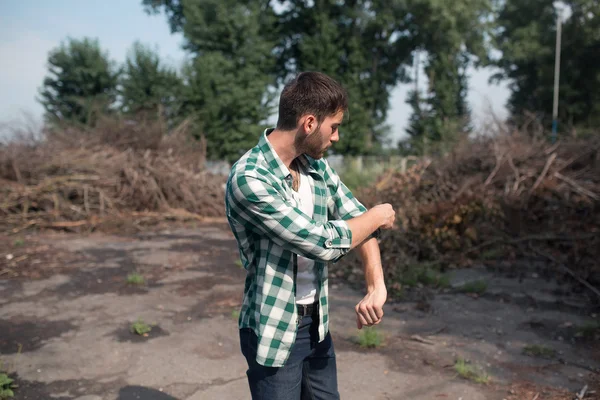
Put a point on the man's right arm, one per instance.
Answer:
(381, 216)
(256, 203)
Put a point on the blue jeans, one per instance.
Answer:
(309, 374)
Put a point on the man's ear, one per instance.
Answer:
(309, 124)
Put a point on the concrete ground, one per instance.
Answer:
(66, 310)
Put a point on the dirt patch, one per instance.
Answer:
(584, 337)
(31, 258)
(216, 303)
(193, 286)
(215, 246)
(103, 254)
(526, 302)
(222, 347)
(125, 335)
(587, 335)
(141, 392)
(404, 356)
(99, 281)
(528, 390)
(535, 374)
(221, 271)
(27, 335)
(9, 288)
(60, 390)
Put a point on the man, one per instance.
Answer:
(290, 215)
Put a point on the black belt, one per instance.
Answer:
(307, 309)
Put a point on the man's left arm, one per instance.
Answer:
(369, 310)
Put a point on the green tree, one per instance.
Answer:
(229, 78)
(226, 113)
(354, 42)
(448, 87)
(357, 43)
(81, 82)
(526, 37)
(365, 44)
(146, 84)
(453, 37)
(418, 129)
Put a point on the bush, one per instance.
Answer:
(75, 178)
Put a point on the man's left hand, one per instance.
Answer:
(369, 311)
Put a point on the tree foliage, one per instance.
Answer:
(146, 84)
(526, 37)
(81, 82)
(230, 73)
(452, 36)
(353, 41)
(357, 43)
(241, 52)
(366, 45)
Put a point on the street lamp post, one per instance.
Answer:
(556, 75)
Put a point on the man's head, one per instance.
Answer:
(313, 106)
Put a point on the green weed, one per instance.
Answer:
(135, 279)
(7, 387)
(19, 242)
(539, 351)
(370, 337)
(468, 371)
(476, 287)
(140, 327)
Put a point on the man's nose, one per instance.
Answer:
(336, 136)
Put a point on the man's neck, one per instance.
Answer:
(284, 145)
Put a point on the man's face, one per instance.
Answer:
(324, 136)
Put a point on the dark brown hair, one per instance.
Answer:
(310, 93)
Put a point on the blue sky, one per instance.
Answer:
(29, 29)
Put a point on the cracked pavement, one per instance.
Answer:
(66, 334)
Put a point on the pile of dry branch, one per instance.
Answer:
(120, 170)
(503, 198)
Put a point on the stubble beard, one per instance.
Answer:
(312, 145)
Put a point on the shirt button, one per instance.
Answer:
(328, 243)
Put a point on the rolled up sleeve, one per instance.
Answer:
(343, 205)
(258, 205)
(340, 235)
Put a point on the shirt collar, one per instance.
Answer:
(277, 166)
(309, 163)
(275, 163)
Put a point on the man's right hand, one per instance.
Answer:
(386, 214)
(381, 216)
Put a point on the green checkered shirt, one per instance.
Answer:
(271, 230)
